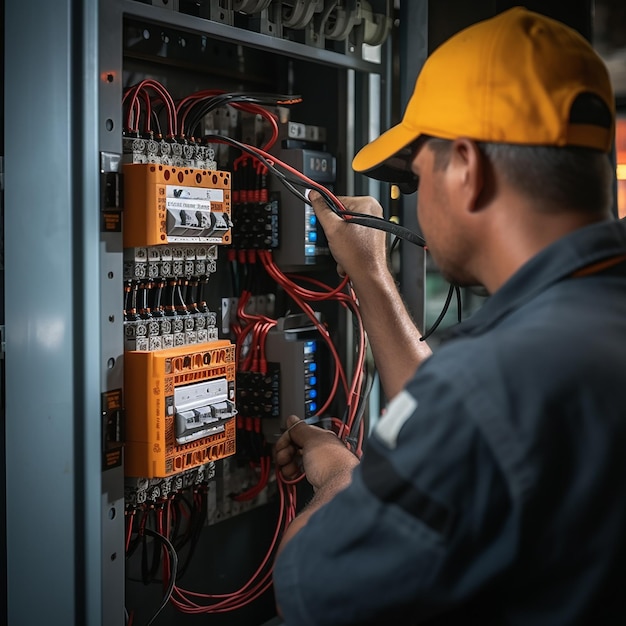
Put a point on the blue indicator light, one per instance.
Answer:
(309, 250)
(312, 367)
(313, 393)
(312, 407)
(313, 220)
(312, 236)
(313, 380)
(311, 346)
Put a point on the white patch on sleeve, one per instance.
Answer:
(398, 412)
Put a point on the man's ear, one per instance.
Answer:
(467, 169)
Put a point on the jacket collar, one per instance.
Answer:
(560, 260)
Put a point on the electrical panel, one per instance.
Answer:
(234, 317)
(233, 314)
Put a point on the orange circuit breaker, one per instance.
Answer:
(167, 205)
(180, 408)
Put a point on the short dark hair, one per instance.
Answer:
(564, 177)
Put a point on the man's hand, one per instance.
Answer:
(327, 464)
(359, 251)
(317, 452)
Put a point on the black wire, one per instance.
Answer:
(352, 437)
(441, 315)
(371, 221)
(459, 304)
(234, 283)
(203, 107)
(196, 523)
(203, 285)
(156, 119)
(150, 568)
(173, 567)
(200, 109)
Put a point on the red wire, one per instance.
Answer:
(262, 344)
(188, 601)
(162, 94)
(148, 112)
(281, 279)
(129, 528)
(346, 300)
(256, 489)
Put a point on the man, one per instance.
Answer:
(491, 491)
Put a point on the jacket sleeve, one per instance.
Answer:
(422, 527)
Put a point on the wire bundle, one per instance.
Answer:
(192, 109)
(298, 184)
(345, 297)
(175, 523)
(184, 118)
(162, 517)
(134, 110)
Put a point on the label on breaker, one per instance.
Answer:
(177, 196)
(189, 216)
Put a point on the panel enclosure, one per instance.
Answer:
(188, 48)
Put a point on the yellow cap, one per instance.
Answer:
(515, 78)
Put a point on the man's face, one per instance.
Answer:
(438, 217)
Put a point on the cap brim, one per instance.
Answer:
(388, 157)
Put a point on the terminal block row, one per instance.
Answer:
(169, 261)
(258, 394)
(168, 152)
(256, 225)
